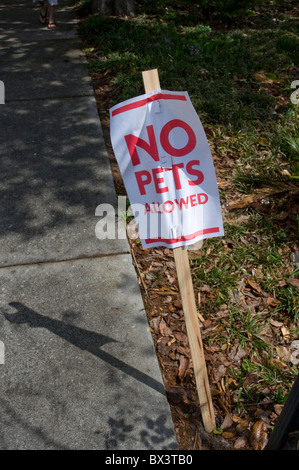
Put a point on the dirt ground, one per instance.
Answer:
(156, 272)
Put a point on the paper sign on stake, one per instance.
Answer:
(167, 168)
(151, 82)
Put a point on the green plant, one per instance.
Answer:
(245, 328)
(225, 8)
(238, 77)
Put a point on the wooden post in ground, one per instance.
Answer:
(151, 82)
(194, 337)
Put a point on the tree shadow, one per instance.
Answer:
(35, 431)
(154, 433)
(54, 166)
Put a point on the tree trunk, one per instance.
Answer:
(114, 7)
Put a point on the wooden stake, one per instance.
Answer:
(151, 82)
(194, 337)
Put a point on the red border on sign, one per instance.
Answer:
(138, 104)
(171, 241)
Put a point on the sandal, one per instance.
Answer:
(51, 25)
(42, 18)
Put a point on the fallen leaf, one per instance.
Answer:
(235, 356)
(254, 285)
(164, 329)
(283, 352)
(150, 276)
(227, 422)
(184, 363)
(240, 442)
(277, 324)
(278, 409)
(251, 379)
(171, 279)
(285, 332)
(242, 425)
(272, 302)
(162, 345)
(172, 308)
(154, 323)
(219, 373)
(293, 282)
(172, 355)
(185, 351)
(180, 336)
(258, 435)
(279, 363)
(177, 303)
(228, 435)
(157, 264)
(205, 288)
(236, 419)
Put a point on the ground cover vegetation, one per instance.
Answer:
(238, 61)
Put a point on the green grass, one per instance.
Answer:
(222, 70)
(238, 71)
(216, 67)
(253, 250)
(254, 246)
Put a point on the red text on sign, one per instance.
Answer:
(170, 206)
(145, 177)
(151, 146)
(164, 138)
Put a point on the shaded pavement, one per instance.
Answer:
(79, 370)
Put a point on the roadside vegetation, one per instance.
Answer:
(240, 67)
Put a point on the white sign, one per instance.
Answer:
(167, 168)
(2, 92)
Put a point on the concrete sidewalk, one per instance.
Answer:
(80, 370)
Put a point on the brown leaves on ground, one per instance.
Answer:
(245, 434)
(259, 435)
(157, 276)
(156, 272)
(158, 281)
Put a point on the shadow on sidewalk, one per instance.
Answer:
(81, 338)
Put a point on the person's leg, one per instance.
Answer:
(43, 12)
(51, 23)
(52, 4)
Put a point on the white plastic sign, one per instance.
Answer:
(167, 168)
